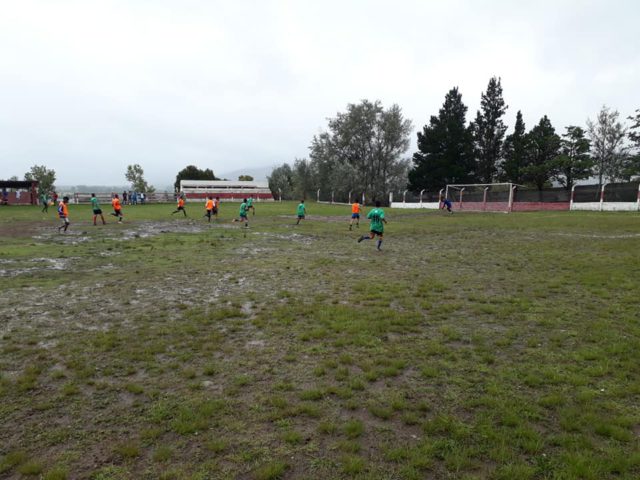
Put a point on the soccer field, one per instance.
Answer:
(502, 346)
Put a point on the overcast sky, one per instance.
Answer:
(89, 87)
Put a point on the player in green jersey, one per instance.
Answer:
(302, 211)
(250, 204)
(96, 209)
(243, 213)
(376, 216)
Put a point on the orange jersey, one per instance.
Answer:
(355, 208)
(209, 205)
(180, 202)
(116, 203)
(63, 210)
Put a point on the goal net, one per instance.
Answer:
(481, 197)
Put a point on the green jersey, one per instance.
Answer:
(301, 210)
(44, 199)
(249, 202)
(376, 216)
(243, 209)
(94, 203)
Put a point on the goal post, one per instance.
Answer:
(481, 197)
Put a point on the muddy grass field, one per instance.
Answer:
(474, 346)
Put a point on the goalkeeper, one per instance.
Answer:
(446, 203)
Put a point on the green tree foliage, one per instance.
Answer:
(245, 178)
(361, 151)
(542, 147)
(46, 178)
(281, 182)
(574, 162)
(135, 175)
(608, 150)
(192, 172)
(488, 132)
(445, 148)
(305, 179)
(634, 136)
(514, 153)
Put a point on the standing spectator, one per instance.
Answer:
(124, 197)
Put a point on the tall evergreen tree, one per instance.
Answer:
(574, 162)
(542, 144)
(445, 148)
(488, 132)
(515, 150)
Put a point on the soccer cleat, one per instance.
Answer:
(360, 239)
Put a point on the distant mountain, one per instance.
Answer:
(259, 174)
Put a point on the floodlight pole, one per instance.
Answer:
(484, 198)
(460, 204)
(404, 196)
(318, 196)
(280, 194)
(639, 198)
(363, 198)
(331, 196)
(390, 198)
(349, 201)
(421, 192)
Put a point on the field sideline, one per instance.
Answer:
(501, 346)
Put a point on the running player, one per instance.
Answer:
(180, 206)
(243, 213)
(96, 209)
(355, 214)
(302, 211)
(209, 207)
(117, 208)
(250, 204)
(376, 216)
(63, 213)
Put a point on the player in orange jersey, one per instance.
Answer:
(356, 209)
(208, 206)
(63, 213)
(117, 208)
(180, 206)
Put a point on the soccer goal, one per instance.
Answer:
(481, 197)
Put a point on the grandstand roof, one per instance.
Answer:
(223, 184)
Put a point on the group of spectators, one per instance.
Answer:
(132, 198)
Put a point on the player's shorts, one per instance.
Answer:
(355, 215)
(64, 220)
(376, 232)
(209, 213)
(243, 217)
(118, 212)
(301, 217)
(97, 211)
(180, 208)
(215, 211)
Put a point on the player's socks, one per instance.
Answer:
(363, 237)
(379, 244)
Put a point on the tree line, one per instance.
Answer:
(362, 150)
